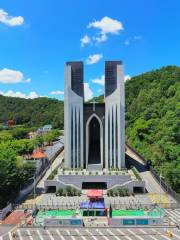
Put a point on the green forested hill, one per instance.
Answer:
(32, 112)
(152, 117)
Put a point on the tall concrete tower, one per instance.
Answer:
(114, 115)
(73, 114)
(94, 132)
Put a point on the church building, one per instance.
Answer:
(94, 132)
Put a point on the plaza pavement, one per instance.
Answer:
(54, 165)
(129, 233)
(49, 200)
(174, 216)
(95, 234)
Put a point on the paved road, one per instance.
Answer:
(6, 228)
(94, 233)
(174, 215)
(152, 185)
(53, 166)
(50, 151)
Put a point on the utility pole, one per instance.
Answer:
(160, 176)
(34, 191)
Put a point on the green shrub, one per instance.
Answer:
(119, 191)
(64, 193)
(110, 192)
(59, 192)
(136, 173)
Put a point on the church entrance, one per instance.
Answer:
(94, 142)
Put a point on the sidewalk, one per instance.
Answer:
(53, 166)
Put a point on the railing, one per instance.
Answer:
(127, 206)
(165, 186)
(138, 154)
(144, 206)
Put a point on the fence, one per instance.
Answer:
(165, 186)
(127, 206)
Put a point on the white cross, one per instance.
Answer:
(94, 107)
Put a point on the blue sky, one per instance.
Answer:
(37, 37)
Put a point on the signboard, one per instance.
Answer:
(128, 221)
(63, 222)
(141, 221)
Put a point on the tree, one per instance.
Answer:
(5, 136)
(13, 174)
(50, 136)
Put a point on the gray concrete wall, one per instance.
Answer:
(118, 222)
(77, 180)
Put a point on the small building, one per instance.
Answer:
(45, 129)
(3, 126)
(10, 123)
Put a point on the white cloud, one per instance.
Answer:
(85, 40)
(32, 95)
(11, 93)
(88, 93)
(99, 81)
(94, 58)
(12, 76)
(101, 38)
(100, 90)
(127, 77)
(56, 93)
(106, 26)
(9, 20)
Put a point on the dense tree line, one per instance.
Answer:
(153, 120)
(32, 112)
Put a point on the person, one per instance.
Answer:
(13, 235)
(25, 211)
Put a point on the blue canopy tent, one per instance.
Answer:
(93, 208)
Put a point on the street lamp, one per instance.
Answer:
(161, 177)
